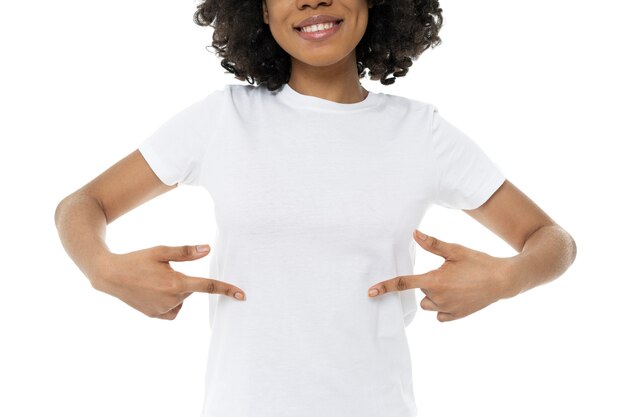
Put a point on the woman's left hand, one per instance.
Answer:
(468, 280)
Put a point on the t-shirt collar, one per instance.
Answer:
(296, 99)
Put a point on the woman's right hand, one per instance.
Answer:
(145, 280)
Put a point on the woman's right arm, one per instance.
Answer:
(81, 217)
(143, 279)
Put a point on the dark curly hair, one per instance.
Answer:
(398, 31)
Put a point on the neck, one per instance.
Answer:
(338, 82)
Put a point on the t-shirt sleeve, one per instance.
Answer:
(176, 150)
(466, 176)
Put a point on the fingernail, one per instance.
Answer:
(373, 292)
(202, 248)
(239, 296)
(420, 235)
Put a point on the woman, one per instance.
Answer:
(319, 187)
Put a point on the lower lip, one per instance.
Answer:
(320, 34)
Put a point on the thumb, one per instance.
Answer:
(182, 253)
(432, 244)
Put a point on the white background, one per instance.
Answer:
(538, 84)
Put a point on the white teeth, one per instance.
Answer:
(315, 28)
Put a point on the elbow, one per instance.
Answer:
(58, 212)
(573, 248)
(78, 200)
(570, 249)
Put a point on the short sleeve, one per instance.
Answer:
(176, 150)
(466, 176)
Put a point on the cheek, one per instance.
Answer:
(282, 32)
(279, 34)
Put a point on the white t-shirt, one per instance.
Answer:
(315, 201)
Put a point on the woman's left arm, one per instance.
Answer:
(545, 249)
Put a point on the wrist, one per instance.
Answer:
(511, 278)
(100, 273)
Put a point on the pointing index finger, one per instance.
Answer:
(399, 283)
(212, 286)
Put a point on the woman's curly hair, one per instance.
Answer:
(398, 31)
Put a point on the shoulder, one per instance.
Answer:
(409, 107)
(245, 95)
(246, 90)
(219, 99)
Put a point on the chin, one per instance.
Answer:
(320, 60)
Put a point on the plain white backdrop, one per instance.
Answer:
(538, 84)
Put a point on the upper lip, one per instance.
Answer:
(317, 19)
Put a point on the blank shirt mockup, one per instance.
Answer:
(315, 201)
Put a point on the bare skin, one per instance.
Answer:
(142, 279)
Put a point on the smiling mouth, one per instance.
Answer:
(335, 23)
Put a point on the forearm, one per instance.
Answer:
(546, 255)
(81, 224)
